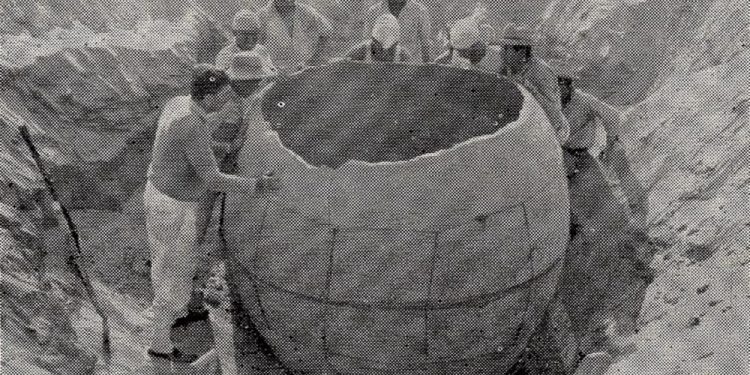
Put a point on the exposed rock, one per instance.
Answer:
(38, 336)
(690, 119)
(91, 101)
(624, 46)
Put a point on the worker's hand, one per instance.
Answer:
(563, 134)
(268, 183)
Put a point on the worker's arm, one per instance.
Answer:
(368, 22)
(609, 116)
(544, 81)
(265, 56)
(325, 31)
(562, 128)
(544, 86)
(553, 110)
(197, 147)
(425, 33)
(224, 57)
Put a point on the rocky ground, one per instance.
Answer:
(90, 94)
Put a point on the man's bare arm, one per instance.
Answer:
(610, 118)
(198, 150)
(425, 33)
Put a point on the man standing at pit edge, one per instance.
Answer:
(246, 30)
(295, 34)
(583, 112)
(182, 169)
(466, 46)
(384, 45)
(522, 66)
(415, 22)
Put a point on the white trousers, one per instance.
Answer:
(171, 227)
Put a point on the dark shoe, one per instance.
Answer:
(192, 317)
(176, 356)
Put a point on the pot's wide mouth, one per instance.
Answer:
(375, 113)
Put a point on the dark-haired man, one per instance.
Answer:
(521, 65)
(248, 72)
(182, 169)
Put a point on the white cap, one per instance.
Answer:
(245, 20)
(386, 30)
(465, 33)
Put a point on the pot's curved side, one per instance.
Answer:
(440, 264)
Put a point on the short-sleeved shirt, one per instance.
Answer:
(415, 22)
(224, 58)
(584, 112)
(290, 50)
(363, 52)
(171, 170)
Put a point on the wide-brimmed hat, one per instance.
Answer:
(247, 65)
(517, 36)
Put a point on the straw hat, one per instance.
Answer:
(517, 36)
(249, 65)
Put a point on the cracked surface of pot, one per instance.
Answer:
(441, 262)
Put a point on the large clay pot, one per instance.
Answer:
(441, 263)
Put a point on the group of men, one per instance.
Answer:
(199, 134)
(290, 35)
